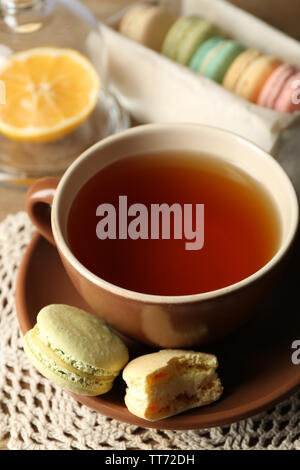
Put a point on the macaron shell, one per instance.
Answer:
(238, 67)
(289, 99)
(202, 52)
(84, 337)
(143, 366)
(220, 61)
(255, 76)
(274, 85)
(176, 34)
(194, 37)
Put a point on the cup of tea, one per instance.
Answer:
(172, 233)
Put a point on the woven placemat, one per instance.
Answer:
(35, 414)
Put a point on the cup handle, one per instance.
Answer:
(39, 200)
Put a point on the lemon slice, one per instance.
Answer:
(49, 92)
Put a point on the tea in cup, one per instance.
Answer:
(173, 234)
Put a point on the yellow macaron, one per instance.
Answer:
(249, 72)
(75, 350)
(255, 76)
(238, 67)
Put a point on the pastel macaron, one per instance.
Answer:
(275, 85)
(170, 381)
(196, 35)
(215, 57)
(289, 99)
(147, 25)
(238, 67)
(185, 36)
(254, 76)
(75, 350)
(198, 58)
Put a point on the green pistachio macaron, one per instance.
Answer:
(75, 350)
(196, 35)
(203, 51)
(176, 34)
(214, 58)
(221, 58)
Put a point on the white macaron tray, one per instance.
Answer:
(155, 89)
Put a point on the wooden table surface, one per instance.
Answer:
(285, 15)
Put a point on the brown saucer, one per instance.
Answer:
(255, 362)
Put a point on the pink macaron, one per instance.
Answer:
(275, 85)
(289, 99)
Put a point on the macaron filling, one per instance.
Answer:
(51, 365)
(166, 405)
(68, 359)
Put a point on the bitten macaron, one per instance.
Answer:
(75, 350)
(168, 382)
(147, 25)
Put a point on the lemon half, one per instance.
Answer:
(49, 92)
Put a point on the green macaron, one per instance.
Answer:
(75, 350)
(200, 54)
(194, 36)
(218, 59)
(176, 34)
(185, 36)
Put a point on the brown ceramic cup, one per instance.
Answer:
(166, 321)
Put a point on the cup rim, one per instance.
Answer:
(63, 247)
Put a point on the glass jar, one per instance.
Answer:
(60, 25)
